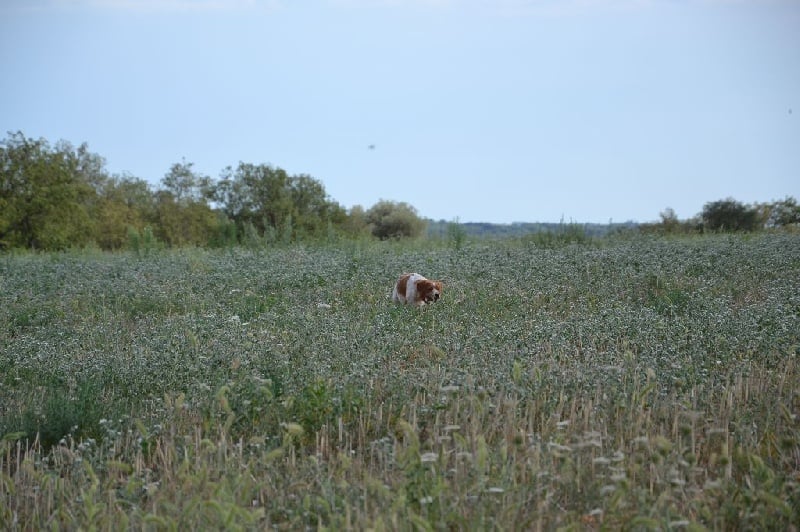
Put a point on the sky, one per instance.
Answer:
(496, 111)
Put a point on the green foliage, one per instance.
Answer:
(389, 219)
(42, 195)
(134, 240)
(664, 298)
(563, 235)
(277, 206)
(142, 244)
(729, 215)
(122, 204)
(54, 412)
(314, 407)
(183, 215)
(456, 235)
(53, 198)
(671, 225)
(185, 186)
(225, 234)
(60, 197)
(186, 223)
(355, 224)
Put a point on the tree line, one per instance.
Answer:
(730, 215)
(62, 196)
(54, 197)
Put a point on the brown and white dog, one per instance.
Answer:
(414, 289)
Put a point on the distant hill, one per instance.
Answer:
(518, 229)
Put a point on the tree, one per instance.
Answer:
(669, 220)
(355, 222)
(88, 168)
(44, 195)
(124, 204)
(257, 195)
(193, 223)
(729, 215)
(272, 202)
(312, 209)
(185, 185)
(184, 216)
(388, 219)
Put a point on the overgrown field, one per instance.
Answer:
(620, 384)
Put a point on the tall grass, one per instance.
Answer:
(637, 384)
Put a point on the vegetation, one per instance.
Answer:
(388, 219)
(729, 214)
(443, 229)
(60, 197)
(625, 383)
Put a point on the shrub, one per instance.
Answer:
(729, 215)
(388, 219)
(456, 234)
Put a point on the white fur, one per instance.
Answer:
(410, 295)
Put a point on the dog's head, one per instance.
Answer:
(429, 291)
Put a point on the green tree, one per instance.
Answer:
(185, 185)
(194, 224)
(276, 204)
(256, 194)
(124, 203)
(183, 213)
(355, 222)
(669, 220)
(313, 211)
(729, 215)
(389, 219)
(44, 195)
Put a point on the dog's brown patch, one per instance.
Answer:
(402, 283)
(429, 291)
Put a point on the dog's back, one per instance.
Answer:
(400, 292)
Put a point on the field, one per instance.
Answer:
(638, 384)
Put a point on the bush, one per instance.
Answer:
(784, 213)
(388, 219)
(729, 215)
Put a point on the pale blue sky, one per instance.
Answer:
(485, 110)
